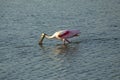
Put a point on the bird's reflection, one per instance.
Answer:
(61, 48)
(61, 53)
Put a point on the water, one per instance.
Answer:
(94, 55)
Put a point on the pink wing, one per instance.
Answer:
(69, 33)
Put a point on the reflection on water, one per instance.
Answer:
(61, 48)
(59, 59)
(60, 52)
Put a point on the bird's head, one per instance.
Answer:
(43, 34)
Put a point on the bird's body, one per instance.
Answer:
(61, 35)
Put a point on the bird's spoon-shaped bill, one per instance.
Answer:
(41, 38)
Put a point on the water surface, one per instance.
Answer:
(94, 55)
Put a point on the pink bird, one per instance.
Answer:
(61, 35)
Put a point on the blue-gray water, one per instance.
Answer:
(94, 55)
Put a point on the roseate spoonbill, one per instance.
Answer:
(61, 35)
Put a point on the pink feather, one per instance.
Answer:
(62, 35)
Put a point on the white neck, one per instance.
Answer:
(49, 37)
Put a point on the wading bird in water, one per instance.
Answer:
(61, 35)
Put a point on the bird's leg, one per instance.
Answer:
(67, 40)
(63, 41)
